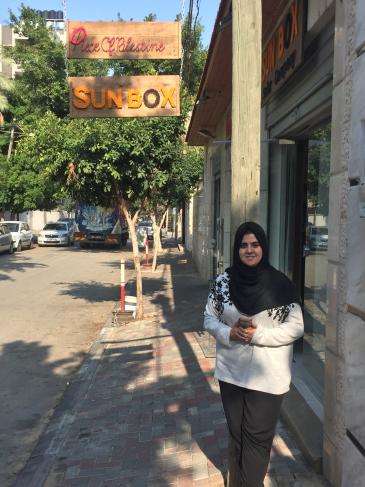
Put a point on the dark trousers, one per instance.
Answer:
(251, 418)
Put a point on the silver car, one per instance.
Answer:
(58, 233)
(21, 233)
(6, 239)
(318, 238)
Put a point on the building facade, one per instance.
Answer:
(8, 38)
(311, 201)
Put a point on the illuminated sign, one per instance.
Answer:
(282, 54)
(123, 40)
(124, 96)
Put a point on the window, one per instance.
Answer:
(316, 260)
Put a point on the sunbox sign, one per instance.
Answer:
(123, 40)
(282, 54)
(124, 96)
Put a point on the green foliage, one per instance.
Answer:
(186, 175)
(43, 84)
(27, 184)
(141, 160)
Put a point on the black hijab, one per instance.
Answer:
(254, 289)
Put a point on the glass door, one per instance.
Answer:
(315, 254)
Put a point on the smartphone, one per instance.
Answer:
(245, 322)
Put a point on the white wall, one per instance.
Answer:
(37, 219)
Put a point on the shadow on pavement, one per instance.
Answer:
(89, 291)
(144, 412)
(29, 385)
(183, 315)
(17, 263)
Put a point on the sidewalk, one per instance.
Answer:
(144, 409)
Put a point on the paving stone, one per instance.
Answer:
(152, 415)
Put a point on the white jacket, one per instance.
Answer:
(265, 363)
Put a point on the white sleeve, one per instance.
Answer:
(283, 333)
(212, 323)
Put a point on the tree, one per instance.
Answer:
(182, 180)
(118, 162)
(43, 62)
(26, 182)
(42, 59)
(123, 162)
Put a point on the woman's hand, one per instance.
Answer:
(242, 334)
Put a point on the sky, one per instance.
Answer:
(165, 10)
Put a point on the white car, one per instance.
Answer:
(6, 240)
(58, 233)
(21, 234)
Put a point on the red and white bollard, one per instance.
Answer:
(122, 285)
(147, 263)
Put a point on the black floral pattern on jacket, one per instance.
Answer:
(219, 294)
(281, 312)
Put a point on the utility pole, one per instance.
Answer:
(246, 111)
(245, 148)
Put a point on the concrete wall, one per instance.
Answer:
(202, 217)
(9, 38)
(217, 164)
(37, 219)
(354, 336)
(344, 425)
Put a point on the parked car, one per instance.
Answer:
(6, 239)
(58, 233)
(21, 233)
(318, 238)
(147, 227)
(70, 221)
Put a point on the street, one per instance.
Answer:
(53, 301)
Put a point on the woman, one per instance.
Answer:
(254, 313)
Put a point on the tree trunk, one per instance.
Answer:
(11, 142)
(167, 222)
(157, 247)
(137, 263)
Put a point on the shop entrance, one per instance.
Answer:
(298, 234)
